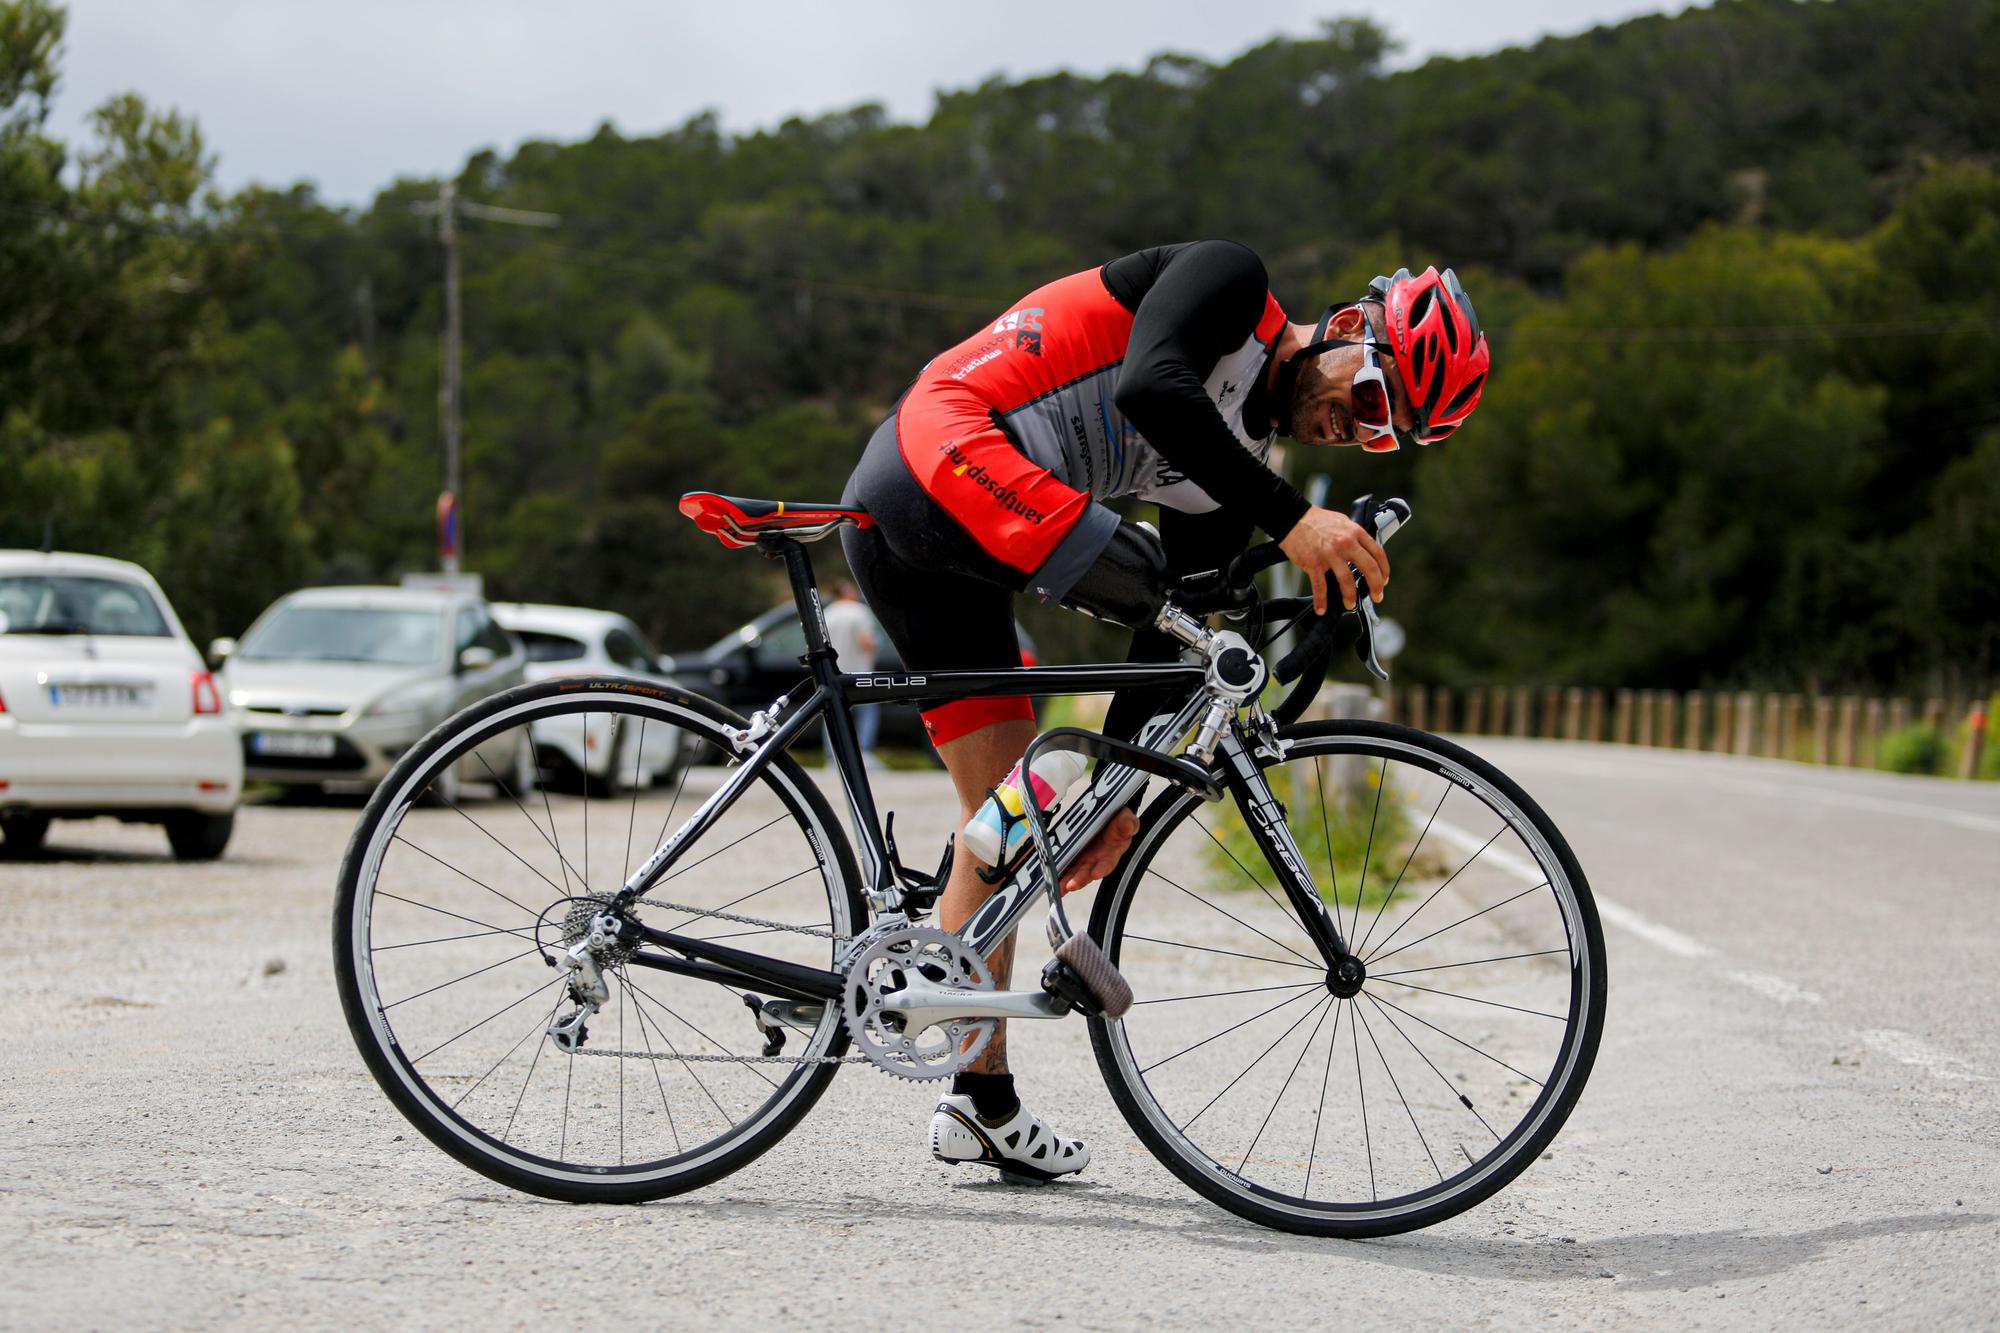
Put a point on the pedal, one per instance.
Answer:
(1080, 955)
(1067, 989)
(774, 1035)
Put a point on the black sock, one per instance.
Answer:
(992, 1094)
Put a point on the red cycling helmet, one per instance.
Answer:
(1439, 349)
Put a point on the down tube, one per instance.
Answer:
(1264, 814)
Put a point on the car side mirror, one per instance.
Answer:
(475, 658)
(220, 651)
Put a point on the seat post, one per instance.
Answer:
(805, 592)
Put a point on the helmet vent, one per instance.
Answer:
(1417, 360)
(1423, 307)
(1463, 399)
(1450, 329)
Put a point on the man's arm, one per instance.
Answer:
(1203, 306)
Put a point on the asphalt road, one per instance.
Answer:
(1792, 1119)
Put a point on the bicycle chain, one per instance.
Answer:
(741, 920)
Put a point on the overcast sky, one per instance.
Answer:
(353, 93)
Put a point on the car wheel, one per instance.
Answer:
(22, 832)
(197, 837)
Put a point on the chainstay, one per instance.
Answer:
(738, 918)
(733, 1059)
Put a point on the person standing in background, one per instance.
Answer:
(851, 629)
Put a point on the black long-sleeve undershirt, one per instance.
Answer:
(1193, 304)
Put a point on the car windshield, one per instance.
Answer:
(368, 634)
(78, 604)
(545, 647)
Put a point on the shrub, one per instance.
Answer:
(1912, 750)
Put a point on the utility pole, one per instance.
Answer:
(451, 521)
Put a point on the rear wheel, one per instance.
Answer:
(22, 832)
(445, 919)
(198, 837)
(1358, 1104)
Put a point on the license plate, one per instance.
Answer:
(101, 694)
(292, 744)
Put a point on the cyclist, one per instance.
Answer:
(1166, 375)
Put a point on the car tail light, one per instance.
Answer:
(207, 699)
(3, 703)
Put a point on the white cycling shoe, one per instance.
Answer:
(1022, 1147)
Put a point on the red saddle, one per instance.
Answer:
(737, 522)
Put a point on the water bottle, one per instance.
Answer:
(1000, 827)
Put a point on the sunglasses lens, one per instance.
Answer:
(1381, 444)
(1371, 402)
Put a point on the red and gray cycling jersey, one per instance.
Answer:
(1144, 377)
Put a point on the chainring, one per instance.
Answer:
(882, 967)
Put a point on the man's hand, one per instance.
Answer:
(1323, 543)
(1101, 857)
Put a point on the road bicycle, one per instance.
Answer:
(1348, 981)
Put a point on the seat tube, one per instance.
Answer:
(1265, 816)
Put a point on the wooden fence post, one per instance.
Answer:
(1573, 714)
(1871, 733)
(1475, 711)
(1975, 741)
(1551, 713)
(1440, 709)
(1746, 724)
(1642, 712)
(1850, 722)
(1666, 733)
(1593, 715)
(1774, 714)
(1822, 729)
(1934, 713)
(1415, 705)
(1899, 714)
(1691, 737)
(1788, 728)
(1725, 723)
(1522, 722)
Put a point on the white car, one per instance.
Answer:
(106, 708)
(574, 641)
(335, 683)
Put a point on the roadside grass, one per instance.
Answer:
(1358, 822)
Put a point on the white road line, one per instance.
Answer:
(1915, 1051)
(1902, 1046)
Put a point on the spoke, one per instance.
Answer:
(720, 850)
(488, 1019)
(1216, 994)
(398, 837)
(632, 813)
(555, 832)
(1326, 836)
(1225, 1032)
(1282, 909)
(658, 1081)
(1476, 962)
(505, 848)
(674, 1050)
(673, 805)
(541, 1024)
(621, 1076)
(456, 916)
(1254, 1063)
(1536, 888)
(529, 1077)
(1363, 1019)
(1233, 917)
(1367, 1138)
(1474, 999)
(569, 1082)
(1319, 1117)
(1376, 999)
(1376, 920)
(1433, 894)
(1227, 953)
(512, 958)
(745, 898)
(499, 782)
(1361, 889)
(1283, 1088)
(610, 772)
(1450, 1087)
(445, 939)
(642, 992)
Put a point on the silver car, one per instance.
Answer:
(334, 684)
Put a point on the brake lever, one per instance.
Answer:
(1383, 520)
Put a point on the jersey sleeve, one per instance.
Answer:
(1208, 300)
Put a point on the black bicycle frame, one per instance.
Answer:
(832, 695)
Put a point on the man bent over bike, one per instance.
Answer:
(1167, 375)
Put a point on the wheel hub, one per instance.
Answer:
(1344, 978)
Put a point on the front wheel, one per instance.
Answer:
(1339, 1105)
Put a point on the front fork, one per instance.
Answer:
(1265, 816)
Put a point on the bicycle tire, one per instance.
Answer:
(423, 1104)
(1569, 1068)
